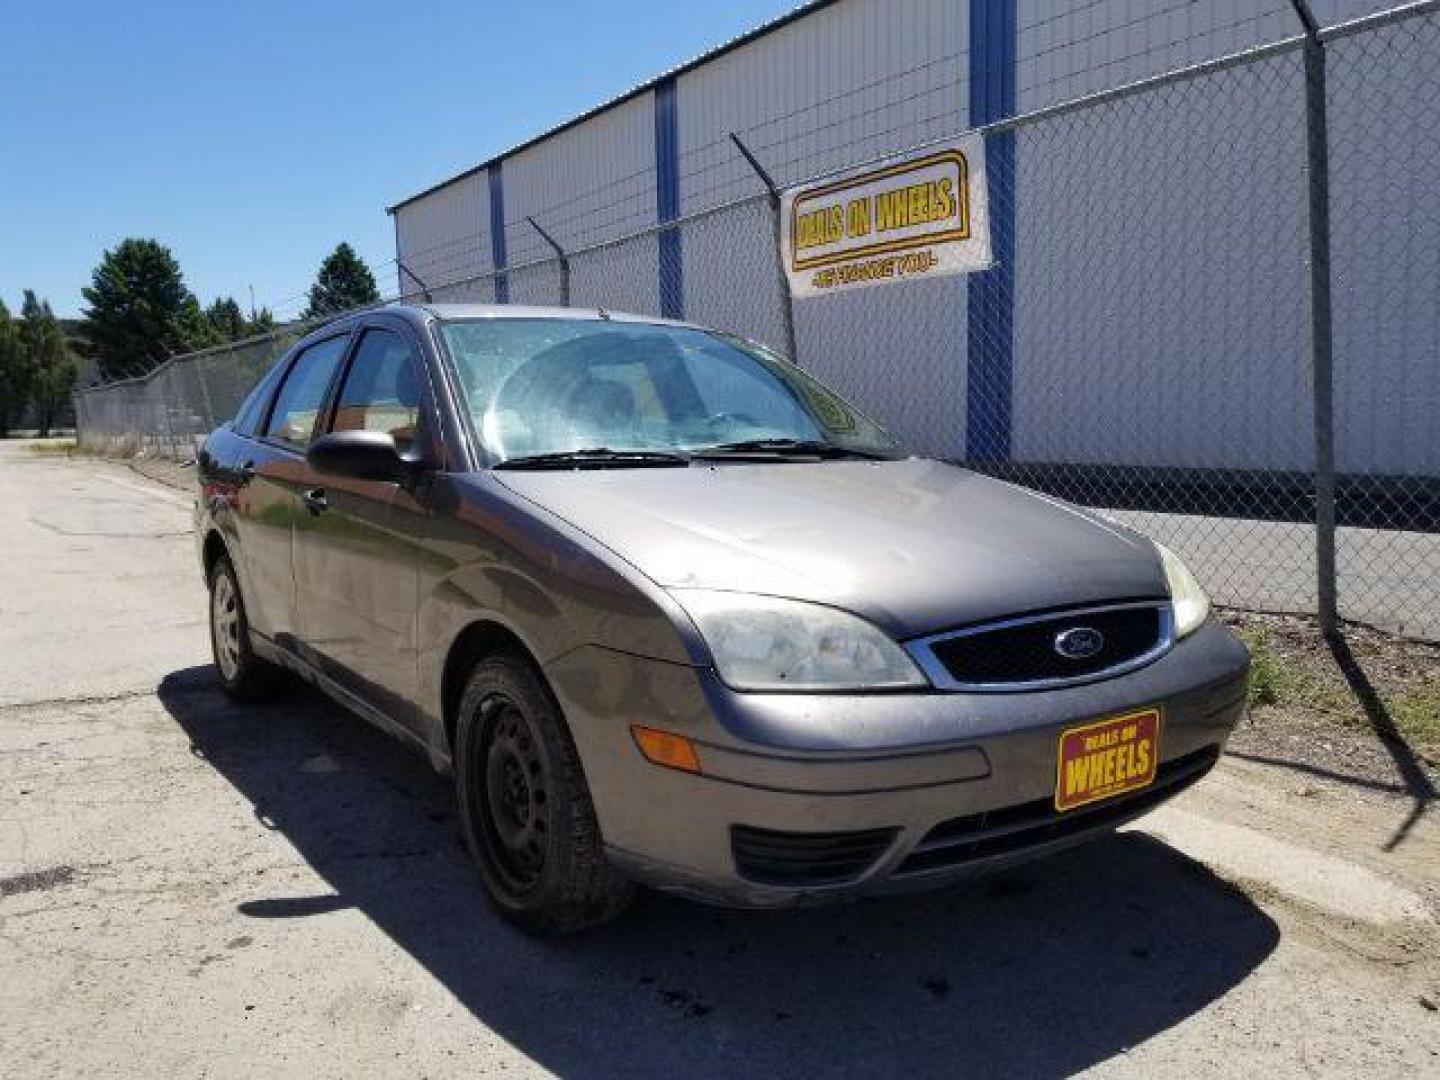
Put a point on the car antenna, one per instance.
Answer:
(603, 313)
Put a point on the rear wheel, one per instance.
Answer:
(525, 809)
(243, 675)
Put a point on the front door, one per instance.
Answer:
(358, 543)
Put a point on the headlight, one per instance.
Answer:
(763, 643)
(1191, 604)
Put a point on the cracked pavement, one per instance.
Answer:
(194, 888)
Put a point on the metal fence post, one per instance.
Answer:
(1322, 342)
(424, 289)
(559, 254)
(787, 301)
(205, 389)
(165, 380)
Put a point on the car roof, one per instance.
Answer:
(418, 315)
(522, 311)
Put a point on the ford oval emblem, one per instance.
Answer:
(1079, 642)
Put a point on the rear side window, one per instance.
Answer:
(382, 389)
(252, 410)
(298, 404)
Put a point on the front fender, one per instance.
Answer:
(495, 557)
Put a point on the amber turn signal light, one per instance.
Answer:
(663, 748)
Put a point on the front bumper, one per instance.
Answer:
(866, 792)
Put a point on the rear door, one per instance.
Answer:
(359, 543)
(272, 476)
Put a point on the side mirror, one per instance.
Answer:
(360, 455)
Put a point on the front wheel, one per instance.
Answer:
(243, 675)
(525, 809)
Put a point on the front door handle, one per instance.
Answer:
(247, 472)
(314, 501)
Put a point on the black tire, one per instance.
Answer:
(242, 674)
(525, 809)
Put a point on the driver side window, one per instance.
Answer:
(292, 420)
(382, 389)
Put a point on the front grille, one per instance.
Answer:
(999, 832)
(1024, 651)
(786, 858)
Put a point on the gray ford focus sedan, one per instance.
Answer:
(673, 613)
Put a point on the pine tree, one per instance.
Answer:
(138, 314)
(196, 331)
(15, 382)
(228, 321)
(51, 367)
(344, 282)
(262, 323)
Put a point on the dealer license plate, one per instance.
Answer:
(1106, 758)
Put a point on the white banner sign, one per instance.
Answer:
(907, 218)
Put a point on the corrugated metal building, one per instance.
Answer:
(1150, 305)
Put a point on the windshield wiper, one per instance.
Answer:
(596, 457)
(787, 448)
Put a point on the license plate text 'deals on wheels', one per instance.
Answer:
(1108, 757)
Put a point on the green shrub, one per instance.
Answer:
(1269, 679)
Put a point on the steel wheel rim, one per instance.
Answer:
(225, 626)
(513, 796)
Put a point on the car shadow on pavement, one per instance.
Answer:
(1038, 972)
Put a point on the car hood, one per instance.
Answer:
(915, 546)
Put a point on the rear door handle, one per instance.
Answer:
(314, 501)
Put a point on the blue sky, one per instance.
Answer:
(252, 137)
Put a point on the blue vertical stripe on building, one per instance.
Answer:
(990, 338)
(667, 199)
(497, 232)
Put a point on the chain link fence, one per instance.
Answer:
(1384, 151)
(170, 410)
(1147, 345)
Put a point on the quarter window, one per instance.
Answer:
(298, 404)
(381, 391)
(252, 410)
